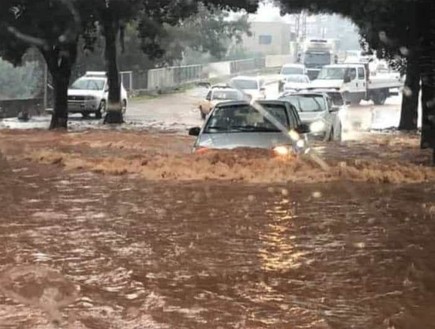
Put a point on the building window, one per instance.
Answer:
(265, 39)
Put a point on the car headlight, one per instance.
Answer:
(282, 150)
(317, 126)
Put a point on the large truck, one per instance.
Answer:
(316, 54)
(357, 82)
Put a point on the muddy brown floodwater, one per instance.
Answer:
(81, 249)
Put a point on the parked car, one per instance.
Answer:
(296, 82)
(218, 94)
(252, 86)
(89, 94)
(233, 125)
(317, 110)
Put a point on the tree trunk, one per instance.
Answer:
(114, 108)
(409, 114)
(59, 63)
(427, 69)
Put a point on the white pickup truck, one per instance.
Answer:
(357, 83)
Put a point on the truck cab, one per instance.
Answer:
(316, 54)
(356, 83)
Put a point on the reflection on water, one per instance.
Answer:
(222, 255)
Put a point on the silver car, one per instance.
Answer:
(240, 125)
(317, 110)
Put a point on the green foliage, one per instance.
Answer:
(20, 82)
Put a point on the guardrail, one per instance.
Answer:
(172, 77)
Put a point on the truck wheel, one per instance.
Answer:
(379, 98)
(101, 110)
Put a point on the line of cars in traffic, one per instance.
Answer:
(235, 117)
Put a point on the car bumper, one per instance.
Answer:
(82, 106)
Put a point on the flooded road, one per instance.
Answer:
(217, 255)
(105, 228)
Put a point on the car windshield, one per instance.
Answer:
(307, 103)
(245, 118)
(245, 84)
(320, 58)
(297, 78)
(332, 73)
(292, 70)
(88, 84)
(226, 95)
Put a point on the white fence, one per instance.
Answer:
(170, 77)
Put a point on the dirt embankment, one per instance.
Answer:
(376, 158)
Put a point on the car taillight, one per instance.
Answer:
(201, 150)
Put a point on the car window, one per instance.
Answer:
(337, 98)
(245, 84)
(243, 118)
(292, 70)
(226, 95)
(361, 74)
(307, 103)
(88, 84)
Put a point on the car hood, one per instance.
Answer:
(262, 140)
(310, 117)
(326, 84)
(75, 92)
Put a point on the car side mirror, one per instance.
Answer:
(347, 79)
(194, 131)
(303, 129)
(263, 89)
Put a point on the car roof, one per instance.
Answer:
(246, 78)
(326, 91)
(294, 65)
(225, 89)
(304, 93)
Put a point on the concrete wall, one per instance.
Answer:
(279, 34)
(11, 108)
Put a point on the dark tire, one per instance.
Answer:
(379, 98)
(339, 137)
(101, 110)
(124, 106)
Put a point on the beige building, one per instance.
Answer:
(268, 38)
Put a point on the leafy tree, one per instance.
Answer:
(53, 28)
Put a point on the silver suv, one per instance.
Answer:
(89, 94)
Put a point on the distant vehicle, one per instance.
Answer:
(316, 54)
(290, 69)
(356, 83)
(89, 94)
(218, 94)
(252, 86)
(296, 82)
(233, 125)
(316, 109)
